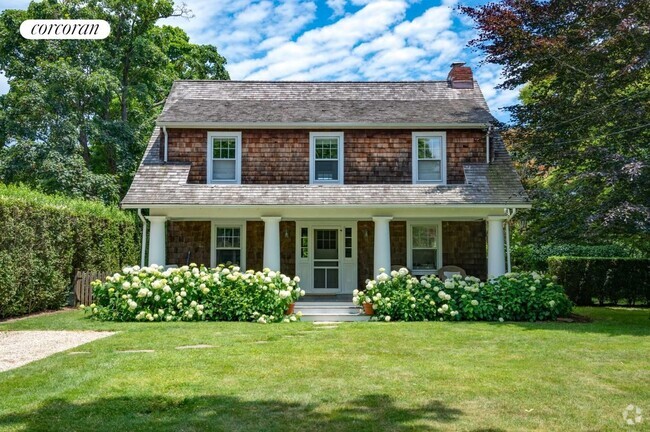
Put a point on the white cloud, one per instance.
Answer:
(337, 6)
(242, 29)
(4, 85)
(489, 77)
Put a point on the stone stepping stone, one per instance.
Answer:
(326, 323)
(78, 352)
(134, 351)
(194, 347)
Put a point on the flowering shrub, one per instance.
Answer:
(192, 293)
(512, 297)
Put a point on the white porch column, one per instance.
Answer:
(271, 242)
(157, 234)
(496, 248)
(382, 243)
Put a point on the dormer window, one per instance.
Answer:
(224, 157)
(326, 157)
(429, 157)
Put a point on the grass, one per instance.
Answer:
(356, 377)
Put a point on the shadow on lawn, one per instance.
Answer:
(375, 412)
(612, 322)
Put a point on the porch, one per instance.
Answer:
(331, 256)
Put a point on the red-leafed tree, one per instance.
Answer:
(582, 129)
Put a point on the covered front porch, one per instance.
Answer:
(332, 250)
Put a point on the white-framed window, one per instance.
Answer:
(326, 157)
(424, 247)
(430, 157)
(224, 157)
(229, 244)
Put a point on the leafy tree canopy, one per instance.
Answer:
(582, 131)
(78, 113)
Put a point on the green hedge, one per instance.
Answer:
(532, 257)
(608, 280)
(45, 238)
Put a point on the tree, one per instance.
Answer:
(582, 130)
(84, 110)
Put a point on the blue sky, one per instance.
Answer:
(357, 40)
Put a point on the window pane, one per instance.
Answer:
(332, 278)
(304, 243)
(319, 278)
(424, 259)
(326, 148)
(429, 170)
(225, 256)
(326, 244)
(430, 148)
(224, 148)
(424, 237)
(326, 170)
(228, 238)
(223, 170)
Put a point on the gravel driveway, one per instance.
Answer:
(21, 347)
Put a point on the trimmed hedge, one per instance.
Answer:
(532, 257)
(609, 280)
(44, 238)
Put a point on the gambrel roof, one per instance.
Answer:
(318, 103)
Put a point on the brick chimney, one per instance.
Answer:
(460, 76)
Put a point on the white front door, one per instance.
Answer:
(325, 264)
(326, 257)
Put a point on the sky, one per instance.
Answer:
(342, 40)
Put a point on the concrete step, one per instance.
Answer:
(330, 311)
(333, 304)
(334, 318)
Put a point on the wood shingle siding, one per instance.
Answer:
(272, 156)
(188, 236)
(463, 244)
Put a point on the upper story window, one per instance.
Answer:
(429, 157)
(326, 157)
(224, 157)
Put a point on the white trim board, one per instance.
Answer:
(409, 244)
(238, 156)
(415, 159)
(228, 223)
(312, 156)
(316, 125)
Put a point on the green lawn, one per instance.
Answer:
(356, 377)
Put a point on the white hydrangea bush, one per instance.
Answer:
(195, 293)
(403, 297)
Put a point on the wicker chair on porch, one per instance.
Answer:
(449, 270)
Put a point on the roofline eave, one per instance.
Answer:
(312, 125)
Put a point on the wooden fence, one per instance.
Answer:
(83, 291)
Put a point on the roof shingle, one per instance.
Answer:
(254, 102)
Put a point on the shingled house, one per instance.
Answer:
(328, 180)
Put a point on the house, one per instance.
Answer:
(329, 181)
